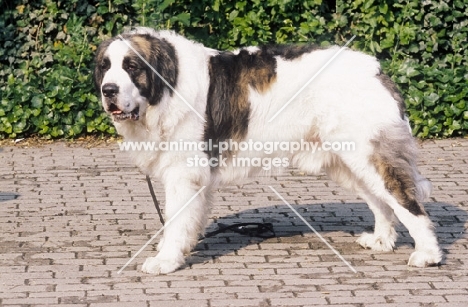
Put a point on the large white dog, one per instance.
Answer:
(160, 87)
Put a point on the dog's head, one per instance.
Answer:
(132, 71)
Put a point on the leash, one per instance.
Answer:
(155, 200)
(251, 229)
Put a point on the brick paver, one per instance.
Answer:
(71, 216)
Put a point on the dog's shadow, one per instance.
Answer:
(340, 224)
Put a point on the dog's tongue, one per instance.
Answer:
(116, 112)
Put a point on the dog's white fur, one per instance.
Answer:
(346, 102)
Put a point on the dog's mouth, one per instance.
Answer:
(119, 115)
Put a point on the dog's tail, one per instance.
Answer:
(423, 188)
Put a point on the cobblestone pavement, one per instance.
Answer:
(71, 217)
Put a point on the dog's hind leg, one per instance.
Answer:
(409, 210)
(390, 175)
(384, 236)
(405, 189)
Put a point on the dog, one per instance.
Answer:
(160, 87)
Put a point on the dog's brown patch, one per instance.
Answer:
(399, 183)
(162, 57)
(394, 159)
(231, 75)
(143, 44)
(228, 105)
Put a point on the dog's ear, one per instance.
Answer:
(163, 60)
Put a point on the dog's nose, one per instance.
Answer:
(110, 90)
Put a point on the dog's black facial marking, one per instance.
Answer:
(138, 72)
(161, 56)
(133, 65)
(104, 65)
(101, 64)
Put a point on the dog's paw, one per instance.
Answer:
(157, 266)
(423, 258)
(376, 242)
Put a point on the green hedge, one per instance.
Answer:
(47, 47)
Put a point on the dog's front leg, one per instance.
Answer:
(183, 226)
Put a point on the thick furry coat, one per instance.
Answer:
(160, 87)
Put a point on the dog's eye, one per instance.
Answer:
(132, 67)
(104, 65)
